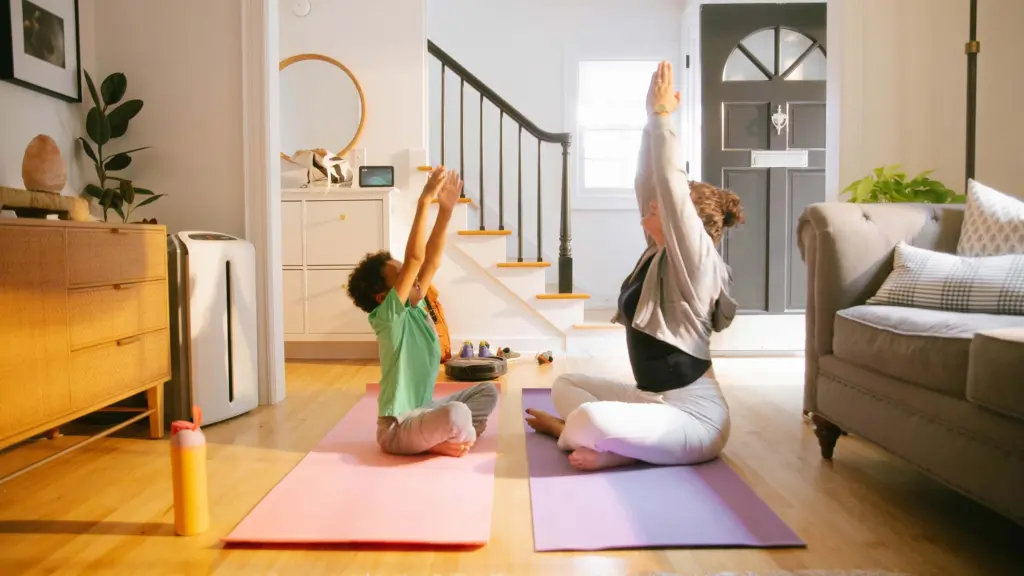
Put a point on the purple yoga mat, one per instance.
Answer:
(707, 505)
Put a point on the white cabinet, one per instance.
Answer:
(323, 237)
(291, 233)
(294, 290)
(341, 232)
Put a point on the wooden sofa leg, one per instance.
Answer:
(828, 434)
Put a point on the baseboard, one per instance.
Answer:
(331, 350)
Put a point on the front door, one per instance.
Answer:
(763, 85)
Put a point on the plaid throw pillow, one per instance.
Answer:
(924, 279)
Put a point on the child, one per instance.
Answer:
(409, 422)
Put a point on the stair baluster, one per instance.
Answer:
(481, 166)
(519, 212)
(540, 219)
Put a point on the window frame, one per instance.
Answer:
(595, 198)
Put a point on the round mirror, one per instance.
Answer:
(322, 105)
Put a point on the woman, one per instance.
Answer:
(676, 296)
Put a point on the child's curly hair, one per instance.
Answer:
(367, 280)
(718, 208)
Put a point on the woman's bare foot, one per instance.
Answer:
(453, 449)
(545, 423)
(587, 459)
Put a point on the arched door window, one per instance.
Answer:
(776, 53)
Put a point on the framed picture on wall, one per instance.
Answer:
(39, 46)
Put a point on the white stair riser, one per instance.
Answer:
(485, 250)
(562, 314)
(591, 342)
(459, 221)
(525, 283)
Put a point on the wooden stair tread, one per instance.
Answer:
(597, 326)
(563, 296)
(461, 201)
(524, 264)
(485, 232)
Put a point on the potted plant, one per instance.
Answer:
(890, 184)
(104, 123)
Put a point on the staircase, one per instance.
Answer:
(502, 213)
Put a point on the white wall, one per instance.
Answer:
(527, 52)
(901, 96)
(24, 114)
(184, 60)
(390, 67)
(1000, 85)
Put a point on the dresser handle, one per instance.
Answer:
(115, 230)
(344, 286)
(127, 341)
(342, 217)
(124, 286)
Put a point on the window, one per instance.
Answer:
(611, 114)
(775, 52)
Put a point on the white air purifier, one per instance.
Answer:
(212, 279)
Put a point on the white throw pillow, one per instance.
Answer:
(925, 279)
(993, 223)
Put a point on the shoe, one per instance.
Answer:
(545, 358)
(507, 353)
(485, 350)
(467, 350)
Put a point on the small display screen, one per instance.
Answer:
(376, 176)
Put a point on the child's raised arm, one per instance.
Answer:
(446, 200)
(415, 249)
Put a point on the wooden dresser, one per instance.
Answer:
(83, 322)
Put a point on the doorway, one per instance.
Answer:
(763, 76)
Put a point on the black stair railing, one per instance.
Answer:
(543, 137)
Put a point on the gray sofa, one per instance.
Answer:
(942, 390)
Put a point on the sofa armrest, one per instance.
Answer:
(848, 249)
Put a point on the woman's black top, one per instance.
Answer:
(657, 366)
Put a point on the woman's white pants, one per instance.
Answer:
(688, 425)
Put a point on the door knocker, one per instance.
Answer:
(780, 119)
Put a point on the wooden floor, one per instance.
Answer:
(106, 509)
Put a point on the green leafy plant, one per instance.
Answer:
(104, 123)
(890, 184)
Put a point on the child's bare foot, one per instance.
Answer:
(587, 459)
(453, 449)
(545, 423)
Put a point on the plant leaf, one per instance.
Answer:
(97, 126)
(120, 212)
(108, 198)
(92, 90)
(94, 191)
(122, 115)
(150, 200)
(133, 150)
(88, 150)
(127, 192)
(113, 88)
(118, 162)
(143, 192)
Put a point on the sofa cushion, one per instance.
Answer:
(929, 348)
(995, 376)
(926, 279)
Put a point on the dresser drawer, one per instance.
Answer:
(329, 310)
(294, 293)
(291, 233)
(103, 372)
(114, 256)
(341, 232)
(106, 313)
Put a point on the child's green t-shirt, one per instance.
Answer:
(410, 355)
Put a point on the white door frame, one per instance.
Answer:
(261, 180)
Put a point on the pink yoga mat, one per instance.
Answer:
(642, 506)
(346, 491)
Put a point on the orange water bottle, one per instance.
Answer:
(188, 470)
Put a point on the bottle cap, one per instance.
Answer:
(197, 419)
